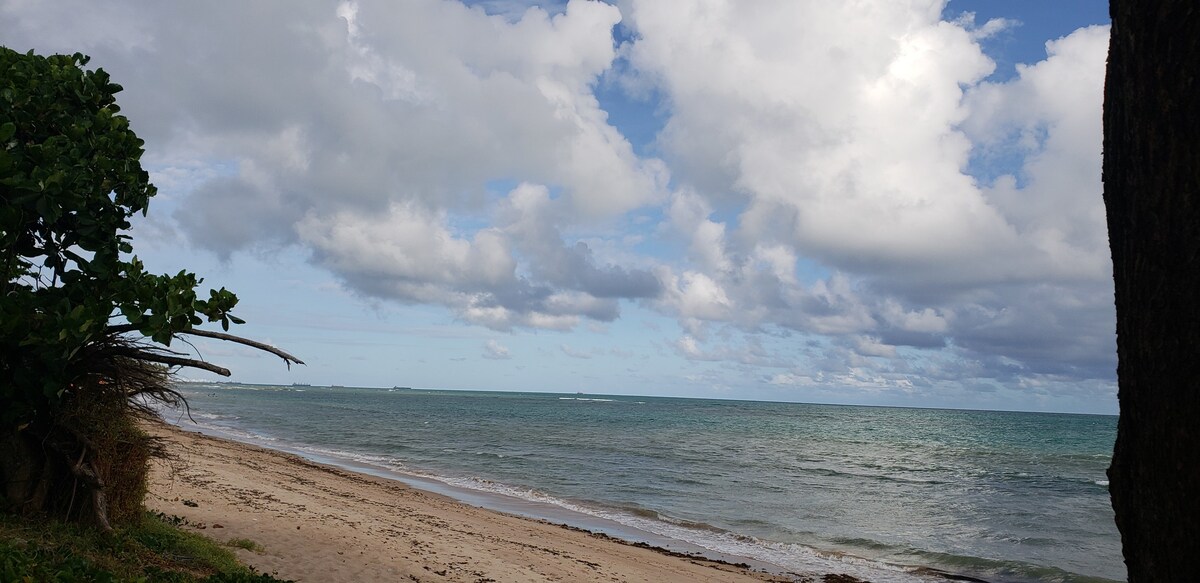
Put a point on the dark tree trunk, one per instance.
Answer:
(1152, 194)
(39, 473)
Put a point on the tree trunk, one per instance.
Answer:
(19, 472)
(38, 473)
(1152, 195)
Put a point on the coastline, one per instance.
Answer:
(317, 522)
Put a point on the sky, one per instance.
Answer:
(876, 202)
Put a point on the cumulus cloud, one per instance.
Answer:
(871, 346)
(362, 131)
(493, 350)
(866, 138)
(750, 352)
(411, 254)
(841, 138)
(837, 173)
(365, 103)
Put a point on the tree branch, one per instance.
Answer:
(287, 358)
(176, 361)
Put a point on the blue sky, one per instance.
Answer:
(891, 203)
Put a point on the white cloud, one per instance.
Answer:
(389, 102)
(834, 123)
(411, 254)
(493, 350)
(1050, 116)
(833, 171)
(407, 246)
(750, 352)
(847, 134)
(871, 346)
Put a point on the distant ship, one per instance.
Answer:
(400, 388)
(301, 385)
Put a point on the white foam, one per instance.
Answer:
(175, 417)
(786, 555)
(251, 436)
(380, 461)
(793, 557)
(213, 416)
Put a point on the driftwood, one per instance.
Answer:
(188, 362)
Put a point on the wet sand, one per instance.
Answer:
(321, 523)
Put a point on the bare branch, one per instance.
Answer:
(287, 358)
(176, 361)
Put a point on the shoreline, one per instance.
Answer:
(837, 510)
(321, 522)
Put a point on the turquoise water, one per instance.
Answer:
(873, 491)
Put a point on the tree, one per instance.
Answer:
(85, 331)
(1152, 196)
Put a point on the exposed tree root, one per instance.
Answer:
(68, 462)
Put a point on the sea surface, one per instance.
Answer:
(875, 492)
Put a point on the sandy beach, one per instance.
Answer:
(321, 523)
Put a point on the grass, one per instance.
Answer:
(153, 549)
(245, 543)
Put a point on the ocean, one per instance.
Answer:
(874, 492)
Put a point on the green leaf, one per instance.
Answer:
(70, 180)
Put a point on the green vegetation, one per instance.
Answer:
(151, 549)
(245, 543)
(85, 336)
(85, 331)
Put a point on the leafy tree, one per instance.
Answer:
(1152, 196)
(85, 331)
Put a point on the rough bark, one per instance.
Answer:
(1152, 195)
(35, 468)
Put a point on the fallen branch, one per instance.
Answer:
(176, 361)
(287, 358)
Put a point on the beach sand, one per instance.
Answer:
(321, 523)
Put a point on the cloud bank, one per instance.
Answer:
(845, 174)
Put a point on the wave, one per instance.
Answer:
(214, 416)
(724, 543)
(788, 556)
(1003, 570)
(235, 433)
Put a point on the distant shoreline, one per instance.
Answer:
(283, 385)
